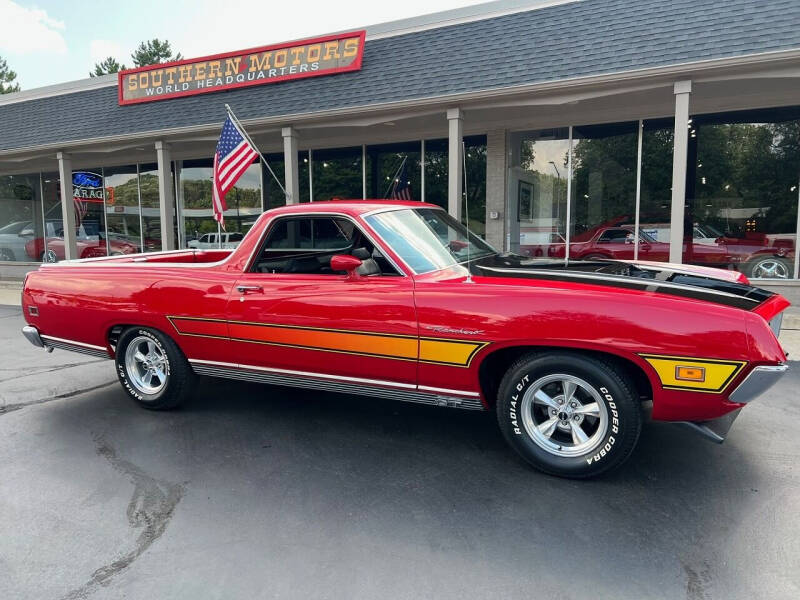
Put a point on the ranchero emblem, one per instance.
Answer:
(460, 331)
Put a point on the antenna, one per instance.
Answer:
(466, 208)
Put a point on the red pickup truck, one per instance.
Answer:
(396, 300)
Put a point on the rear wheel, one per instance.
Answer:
(568, 414)
(152, 369)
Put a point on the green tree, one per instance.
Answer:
(107, 66)
(7, 77)
(152, 52)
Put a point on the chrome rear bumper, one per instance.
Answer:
(32, 335)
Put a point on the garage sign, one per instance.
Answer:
(269, 64)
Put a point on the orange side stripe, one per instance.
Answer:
(329, 340)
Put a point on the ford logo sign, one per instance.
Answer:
(86, 179)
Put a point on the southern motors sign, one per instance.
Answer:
(269, 64)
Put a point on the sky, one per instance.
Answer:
(49, 41)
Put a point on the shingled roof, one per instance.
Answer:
(576, 39)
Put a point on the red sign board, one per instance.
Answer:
(257, 66)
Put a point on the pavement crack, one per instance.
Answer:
(42, 371)
(8, 408)
(150, 509)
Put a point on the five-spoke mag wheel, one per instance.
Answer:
(146, 364)
(564, 415)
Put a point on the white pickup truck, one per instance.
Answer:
(213, 240)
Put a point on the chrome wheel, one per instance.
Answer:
(146, 364)
(564, 415)
(770, 268)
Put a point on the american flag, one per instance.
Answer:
(401, 187)
(81, 209)
(234, 154)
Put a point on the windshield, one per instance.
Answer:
(427, 239)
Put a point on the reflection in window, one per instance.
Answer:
(604, 162)
(656, 188)
(337, 174)
(273, 194)
(387, 162)
(742, 192)
(537, 191)
(151, 215)
(243, 200)
(20, 217)
(123, 215)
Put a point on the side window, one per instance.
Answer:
(614, 235)
(235, 237)
(305, 245)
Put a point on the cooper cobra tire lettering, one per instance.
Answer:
(612, 387)
(179, 375)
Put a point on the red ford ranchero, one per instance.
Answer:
(397, 300)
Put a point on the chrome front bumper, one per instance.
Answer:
(757, 382)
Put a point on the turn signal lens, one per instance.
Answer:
(690, 373)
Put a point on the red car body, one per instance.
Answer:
(438, 337)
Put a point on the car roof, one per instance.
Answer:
(352, 208)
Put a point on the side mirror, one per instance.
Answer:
(26, 233)
(345, 262)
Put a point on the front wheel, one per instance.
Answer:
(152, 369)
(568, 414)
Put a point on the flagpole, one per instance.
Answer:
(219, 235)
(394, 179)
(241, 129)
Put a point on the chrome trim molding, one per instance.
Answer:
(331, 383)
(428, 388)
(757, 382)
(73, 346)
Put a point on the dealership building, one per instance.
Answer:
(630, 129)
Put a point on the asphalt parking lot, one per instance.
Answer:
(261, 492)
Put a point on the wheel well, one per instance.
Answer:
(494, 366)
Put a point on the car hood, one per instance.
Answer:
(701, 283)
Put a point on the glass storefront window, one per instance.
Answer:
(436, 169)
(243, 201)
(604, 162)
(273, 195)
(20, 217)
(656, 187)
(123, 216)
(150, 207)
(387, 164)
(537, 192)
(742, 192)
(475, 184)
(337, 174)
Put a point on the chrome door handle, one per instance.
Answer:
(243, 289)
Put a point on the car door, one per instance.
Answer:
(290, 311)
